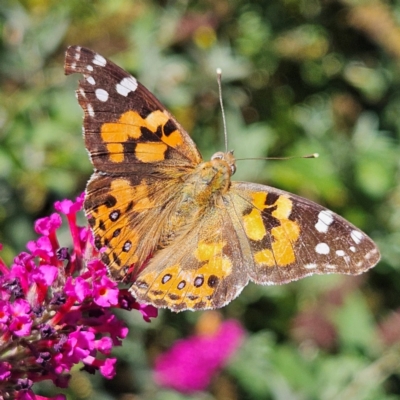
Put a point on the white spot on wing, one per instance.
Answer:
(322, 248)
(126, 86)
(371, 253)
(78, 53)
(90, 110)
(356, 236)
(101, 94)
(89, 67)
(99, 60)
(310, 266)
(340, 253)
(325, 218)
(82, 92)
(352, 248)
(73, 65)
(91, 80)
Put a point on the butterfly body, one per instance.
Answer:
(177, 227)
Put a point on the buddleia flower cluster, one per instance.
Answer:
(56, 309)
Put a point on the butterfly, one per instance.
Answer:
(177, 227)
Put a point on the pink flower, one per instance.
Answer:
(4, 311)
(21, 326)
(105, 292)
(41, 248)
(5, 371)
(104, 345)
(78, 287)
(127, 302)
(21, 318)
(56, 302)
(190, 363)
(68, 207)
(47, 225)
(147, 311)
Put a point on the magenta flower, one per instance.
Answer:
(190, 364)
(55, 309)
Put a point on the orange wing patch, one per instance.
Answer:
(109, 219)
(130, 128)
(189, 288)
(281, 252)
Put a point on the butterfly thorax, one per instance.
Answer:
(209, 179)
(202, 190)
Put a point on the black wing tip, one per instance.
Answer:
(71, 58)
(74, 57)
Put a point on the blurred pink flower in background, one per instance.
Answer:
(190, 364)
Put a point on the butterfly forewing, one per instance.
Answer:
(140, 153)
(126, 128)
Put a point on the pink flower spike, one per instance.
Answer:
(53, 301)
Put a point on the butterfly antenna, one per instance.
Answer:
(314, 155)
(219, 75)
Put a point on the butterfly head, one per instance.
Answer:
(212, 177)
(228, 157)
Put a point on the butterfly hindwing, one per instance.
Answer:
(291, 237)
(260, 234)
(206, 270)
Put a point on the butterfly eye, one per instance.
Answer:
(233, 169)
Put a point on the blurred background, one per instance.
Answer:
(299, 76)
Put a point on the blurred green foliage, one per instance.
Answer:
(299, 76)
